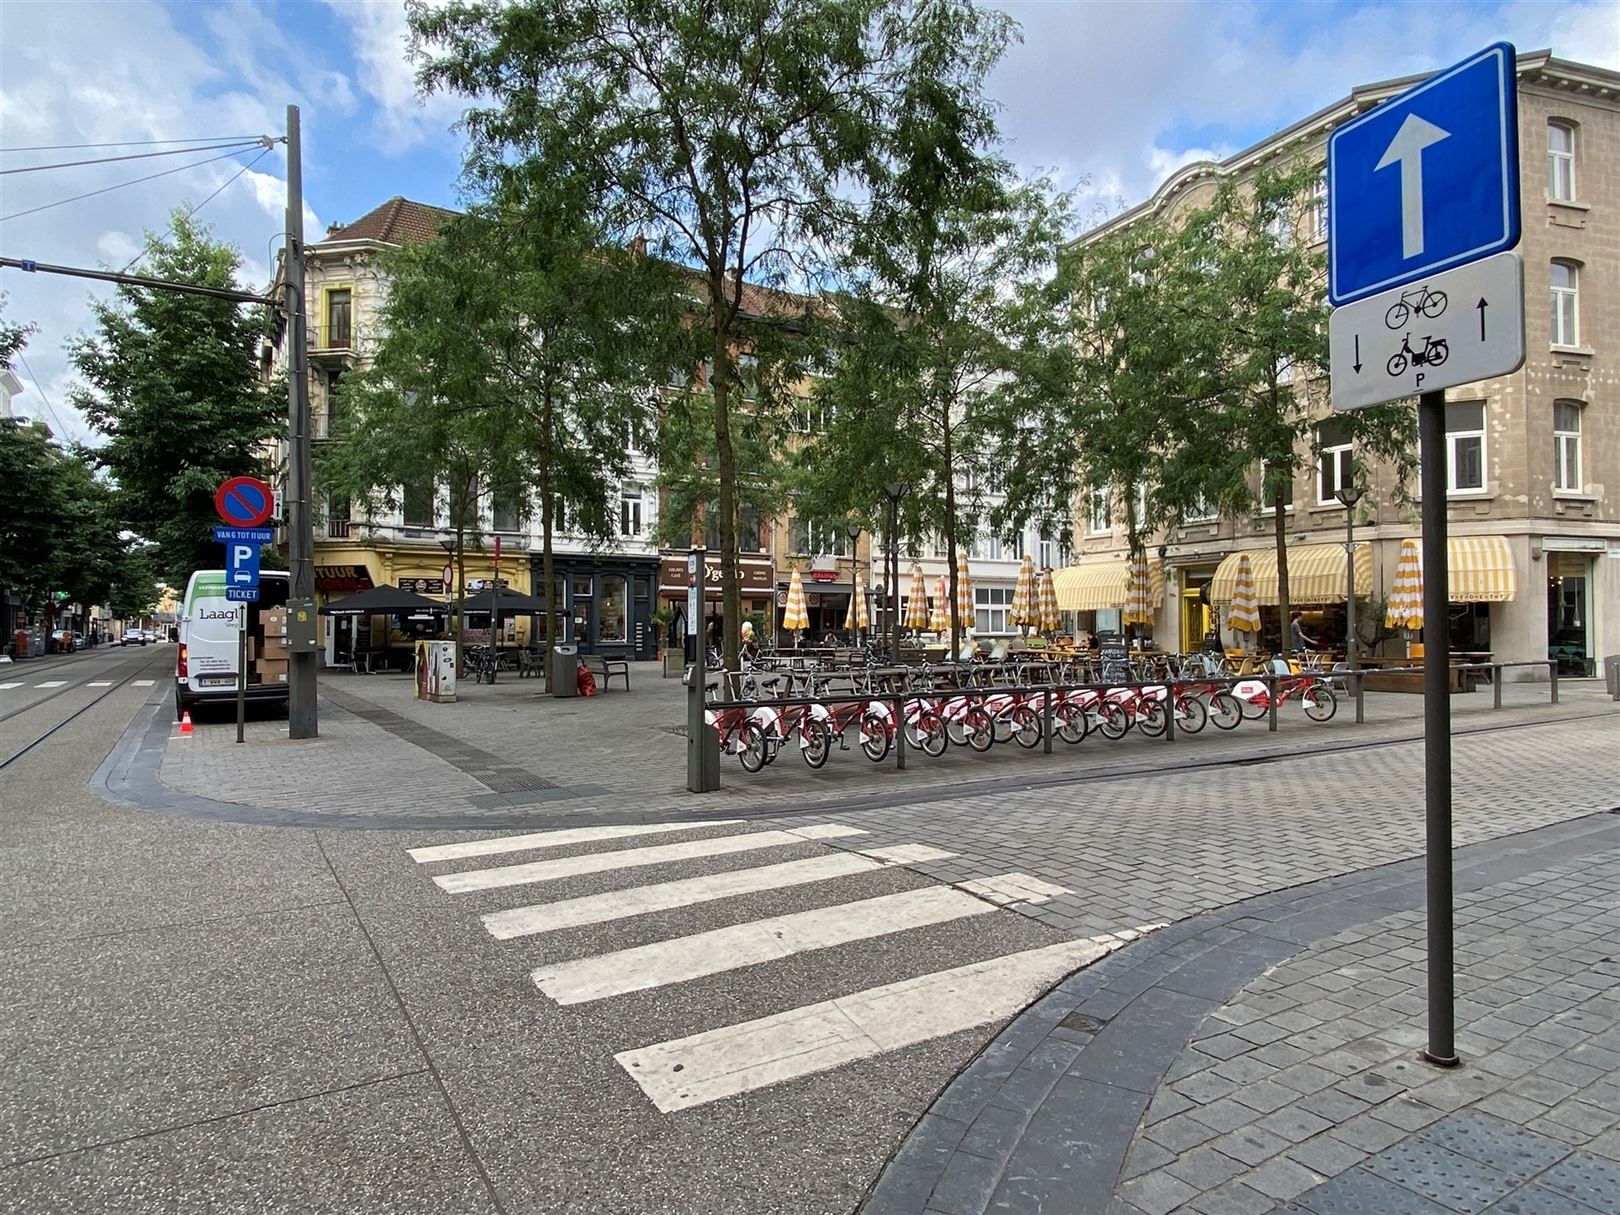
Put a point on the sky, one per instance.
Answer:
(1108, 97)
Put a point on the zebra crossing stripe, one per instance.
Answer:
(706, 953)
(735, 1059)
(1014, 888)
(657, 854)
(99, 683)
(665, 896)
(6, 687)
(52, 683)
(143, 683)
(552, 839)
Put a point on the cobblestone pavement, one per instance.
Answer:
(1263, 1060)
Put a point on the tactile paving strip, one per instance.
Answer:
(1458, 1183)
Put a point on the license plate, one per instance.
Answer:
(217, 681)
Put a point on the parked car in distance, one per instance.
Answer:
(78, 641)
(133, 637)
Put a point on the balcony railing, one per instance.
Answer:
(325, 337)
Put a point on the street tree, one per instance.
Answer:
(731, 135)
(172, 384)
(947, 290)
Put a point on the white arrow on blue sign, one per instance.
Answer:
(1427, 180)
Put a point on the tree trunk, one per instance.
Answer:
(726, 456)
(548, 566)
(950, 534)
(1280, 518)
(459, 625)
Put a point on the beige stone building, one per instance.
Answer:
(1533, 458)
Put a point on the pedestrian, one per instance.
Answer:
(1299, 641)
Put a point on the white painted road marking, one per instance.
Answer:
(908, 854)
(602, 862)
(1014, 888)
(768, 940)
(684, 892)
(6, 687)
(53, 683)
(99, 683)
(718, 1063)
(143, 683)
(552, 839)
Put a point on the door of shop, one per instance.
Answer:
(1197, 617)
(1569, 612)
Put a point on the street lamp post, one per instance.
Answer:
(1350, 495)
(451, 606)
(894, 491)
(854, 579)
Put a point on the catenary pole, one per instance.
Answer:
(302, 721)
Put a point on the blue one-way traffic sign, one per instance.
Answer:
(1427, 180)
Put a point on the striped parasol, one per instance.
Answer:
(964, 592)
(1051, 620)
(1244, 613)
(940, 621)
(855, 616)
(1023, 609)
(1406, 597)
(795, 615)
(1138, 593)
(917, 601)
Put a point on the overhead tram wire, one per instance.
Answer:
(264, 141)
(192, 211)
(108, 189)
(44, 400)
(132, 143)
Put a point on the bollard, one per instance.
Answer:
(1552, 678)
(1170, 711)
(1271, 702)
(1361, 696)
(899, 734)
(1496, 686)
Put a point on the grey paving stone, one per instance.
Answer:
(1250, 1145)
(1181, 1133)
(1326, 1155)
(1367, 1133)
(1205, 1168)
(1406, 1112)
(1587, 1178)
(1157, 1193)
(1282, 1178)
(1458, 1182)
(964, 1187)
(1144, 1157)
(1293, 1124)
(1358, 1192)
(1538, 1200)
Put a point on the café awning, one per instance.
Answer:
(1100, 585)
(383, 600)
(1316, 574)
(1480, 570)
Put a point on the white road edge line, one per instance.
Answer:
(665, 896)
(552, 839)
(735, 1059)
(769, 940)
(657, 854)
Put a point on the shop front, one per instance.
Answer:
(758, 586)
(606, 603)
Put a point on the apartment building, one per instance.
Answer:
(1533, 459)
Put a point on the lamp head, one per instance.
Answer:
(1349, 495)
(854, 532)
(895, 490)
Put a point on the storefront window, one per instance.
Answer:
(582, 586)
(611, 616)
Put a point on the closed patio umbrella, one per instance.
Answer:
(917, 601)
(855, 616)
(964, 593)
(1244, 614)
(1023, 609)
(796, 616)
(1138, 593)
(1405, 609)
(1051, 620)
(940, 621)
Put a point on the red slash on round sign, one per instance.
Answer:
(244, 501)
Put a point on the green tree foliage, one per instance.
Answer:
(28, 506)
(731, 135)
(515, 361)
(173, 386)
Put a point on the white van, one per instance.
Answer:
(210, 624)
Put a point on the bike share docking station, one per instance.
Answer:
(702, 743)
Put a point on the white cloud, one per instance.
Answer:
(380, 44)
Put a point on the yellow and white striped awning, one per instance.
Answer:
(1316, 574)
(1095, 586)
(1480, 570)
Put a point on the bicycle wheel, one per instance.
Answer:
(1150, 718)
(1397, 314)
(1438, 352)
(1434, 303)
(1396, 364)
(1191, 715)
(1114, 721)
(980, 730)
(1026, 726)
(1320, 702)
(1225, 710)
(931, 734)
(817, 743)
(1070, 723)
(874, 737)
(1252, 710)
(752, 753)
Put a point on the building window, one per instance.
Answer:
(339, 318)
(611, 617)
(1267, 504)
(1099, 518)
(504, 501)
(1335, 470)
(990, 604)
(1201, 511)
(748, 375)
(1465, 445)
(1318, 210)
(1561, 161)
(630, 513)
(336, 407)
(750, 533)
(1567, 446)
(816, 539)
(1046, 551)
(337, 515)
(1566, 317)
(416, 503)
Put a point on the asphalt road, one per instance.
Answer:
(215, 1017)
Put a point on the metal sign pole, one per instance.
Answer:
(241, 673)
(702, 745)
(1437, 728)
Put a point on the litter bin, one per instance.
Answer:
(1611, 675)
(565, 670)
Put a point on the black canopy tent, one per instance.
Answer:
(509, 603)
(385, 600)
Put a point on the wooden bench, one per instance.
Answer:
(605, 668)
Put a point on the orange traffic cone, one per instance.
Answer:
(185, 723)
